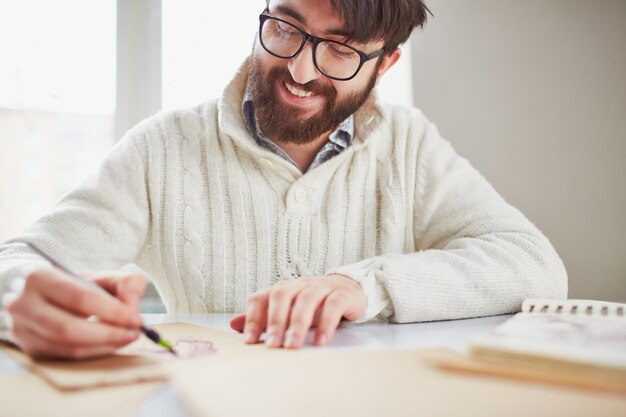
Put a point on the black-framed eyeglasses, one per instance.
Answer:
(334, 59)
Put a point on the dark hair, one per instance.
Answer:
(388, 20)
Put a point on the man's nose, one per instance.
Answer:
(301, 66)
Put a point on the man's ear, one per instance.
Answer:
(388, 61)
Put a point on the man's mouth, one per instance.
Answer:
(297, 91)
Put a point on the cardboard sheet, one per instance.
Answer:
(142, 361)
(533, 370)
(27, 395)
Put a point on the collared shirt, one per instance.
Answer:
(338, 140)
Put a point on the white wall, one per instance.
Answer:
(533, 93)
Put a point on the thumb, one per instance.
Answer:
(130, 289)
(127, 288)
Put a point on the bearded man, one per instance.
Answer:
(295, 199)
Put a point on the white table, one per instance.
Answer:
(370, 336)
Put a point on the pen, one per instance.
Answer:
(149, 333)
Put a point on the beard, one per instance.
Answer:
(284, 123)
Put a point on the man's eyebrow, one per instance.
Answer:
(338, 32)
(281, 8)
(284, 9)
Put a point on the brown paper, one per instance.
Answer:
(142, 361)
(26, 395)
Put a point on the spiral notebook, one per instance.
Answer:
(572, 338)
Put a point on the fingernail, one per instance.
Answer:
(271, 340)
(130, 335)
(321, 341)
(249, 337)
(289, 340)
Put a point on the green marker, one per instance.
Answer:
(150, 334)
(154, 336)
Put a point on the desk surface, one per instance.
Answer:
(370, 336)
(453, 334)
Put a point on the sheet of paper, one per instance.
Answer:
(141, 361)
(310, 383)
(580, 339)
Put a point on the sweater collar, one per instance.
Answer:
(231, 120)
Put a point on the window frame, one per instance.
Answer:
(139, 72)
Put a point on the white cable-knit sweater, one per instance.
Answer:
(212, 217)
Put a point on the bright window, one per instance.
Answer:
(204, 43)
(57, 101)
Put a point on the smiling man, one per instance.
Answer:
(295, 199)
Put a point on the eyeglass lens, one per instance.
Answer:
(333, 59)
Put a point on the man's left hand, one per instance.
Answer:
(287, 310)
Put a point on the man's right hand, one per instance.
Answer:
(50, 316)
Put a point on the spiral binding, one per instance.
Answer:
(597, 308)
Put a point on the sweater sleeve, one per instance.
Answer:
(100, 225)
(477, 255)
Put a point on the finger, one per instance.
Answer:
(280, 301)
(73, 296)
(302, 314)
(317, 315)
(128, 288)
(39, 347)
(63, 328)
(256, 316)
(330, 317)
(237, 323)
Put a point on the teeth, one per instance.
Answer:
(297, 92)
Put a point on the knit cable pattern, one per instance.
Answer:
(192, 222)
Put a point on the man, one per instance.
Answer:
(295, 198)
